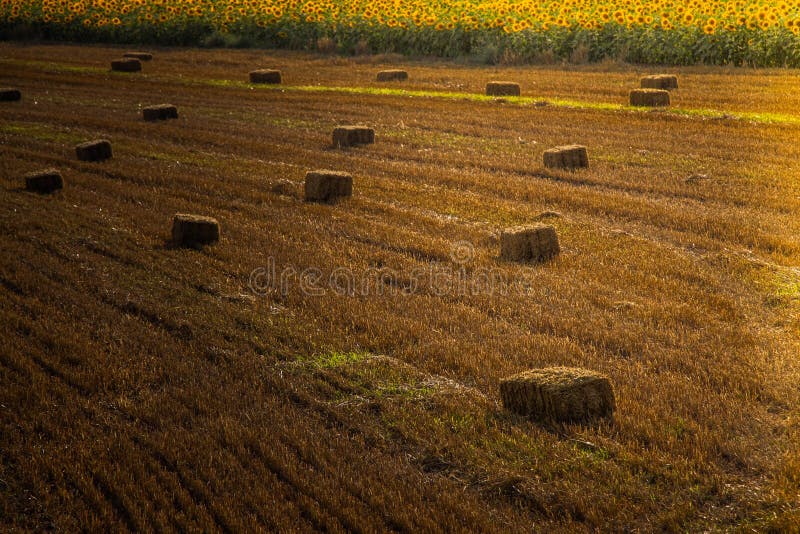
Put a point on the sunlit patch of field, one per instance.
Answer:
(145, 386)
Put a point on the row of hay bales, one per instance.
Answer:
(653, 92)
(273, 76)
(551, 394)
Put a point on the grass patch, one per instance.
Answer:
(288, 122)
(41, 133)
(187, 158)
(759, 118)
(363, 377)
(783, 290)
(762, 118)
(334, 359)
(50, 66)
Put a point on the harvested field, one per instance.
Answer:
(153, 387)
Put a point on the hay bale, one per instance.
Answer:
(392, 75)
(502, 89)
(660, 81)
(97, 150)
(194, 230)
(649, 97)
(566, 157)
(324, 185)
(160, 112)
(8, 94)
(127, 64)
(352, 135)
(265, 76)
(141, 56)
(45, 181)
(529, 243)
(559, 394)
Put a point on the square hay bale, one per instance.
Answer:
(45, 181)
(566, 157)
(392, 75)
(193, 230)
(324, 185)
(660, 81)
(529, 243)
(160, 112)
(127, 64)
(141, 56)
(265, 76)
(352, 135)
(8, 94)
(649, 97)
(502, 89)
(97, 150)
(559, 394)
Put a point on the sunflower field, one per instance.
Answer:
(737, 32)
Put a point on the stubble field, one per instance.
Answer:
(149, 387)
